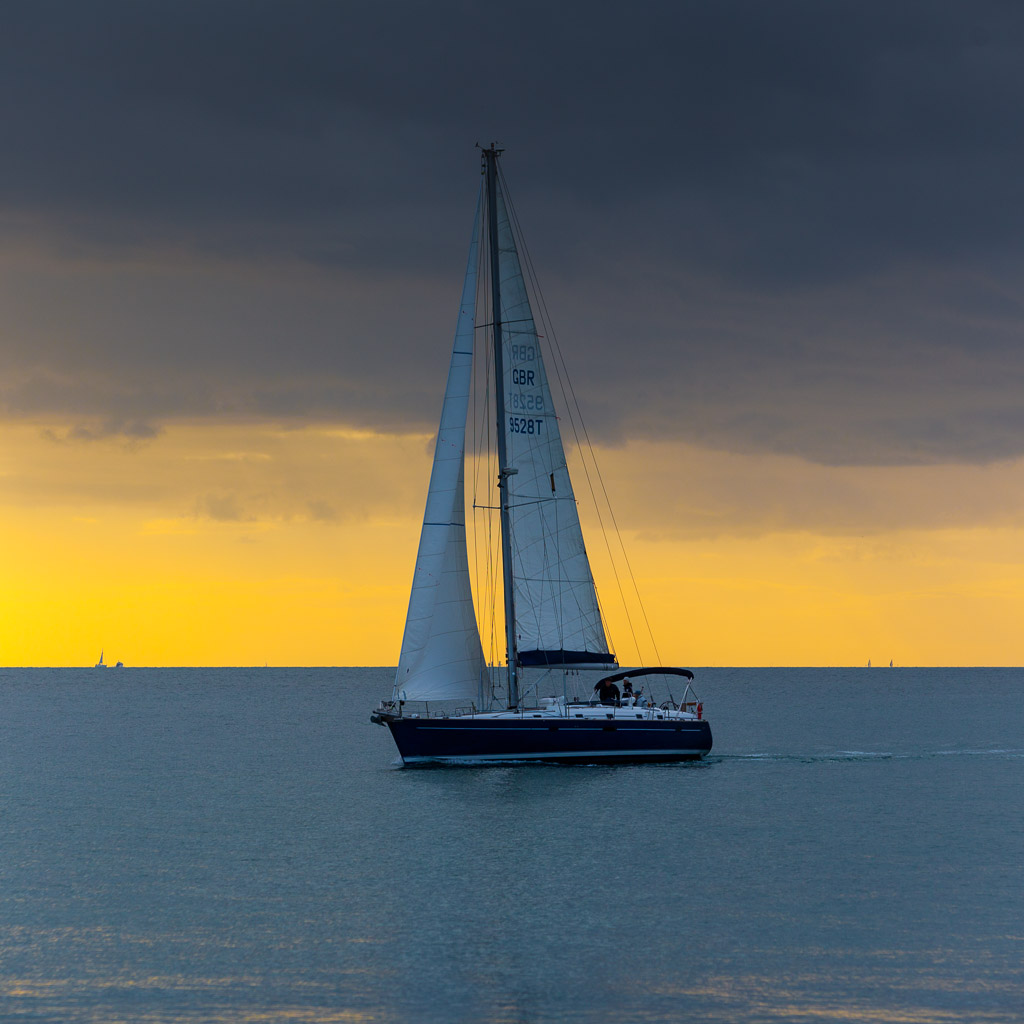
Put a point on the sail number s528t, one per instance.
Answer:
(522, 425)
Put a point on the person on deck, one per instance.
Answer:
(608, 692)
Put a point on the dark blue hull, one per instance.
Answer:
(563, 741)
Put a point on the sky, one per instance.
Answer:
(781, 244)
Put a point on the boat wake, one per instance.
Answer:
(834, 757)
(868, 755)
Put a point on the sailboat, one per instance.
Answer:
(557, 698)
(101, 663)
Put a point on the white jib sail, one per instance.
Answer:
(442, 658)
(558, 620)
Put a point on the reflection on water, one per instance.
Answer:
(230, 845)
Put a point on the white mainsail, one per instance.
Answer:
(442, 658)
(558, 620)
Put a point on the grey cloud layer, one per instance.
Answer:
(791, 227)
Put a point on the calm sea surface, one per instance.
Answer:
(238, 845)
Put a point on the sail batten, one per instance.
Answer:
(442, 658)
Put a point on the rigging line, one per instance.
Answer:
(498, 633)
(481, 447)
(557, 598)
(563, 379)
(604, 534)
(493, 569)
(475, 438)
(520, 579)
(557, 587)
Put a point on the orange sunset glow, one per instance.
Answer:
(251, 543)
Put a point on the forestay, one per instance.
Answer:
(558, 621)
(441, 657)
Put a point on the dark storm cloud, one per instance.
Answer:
(763, 226)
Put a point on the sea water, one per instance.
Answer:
(240, 845)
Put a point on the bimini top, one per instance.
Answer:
(633, 673)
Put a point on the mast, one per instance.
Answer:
(504, 470)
